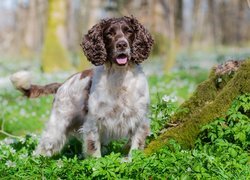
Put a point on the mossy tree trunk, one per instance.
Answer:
(211, 100)
(54, 55)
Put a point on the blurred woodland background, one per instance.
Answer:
(50, 31)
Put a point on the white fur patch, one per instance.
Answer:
(118, 103)
(21, 79)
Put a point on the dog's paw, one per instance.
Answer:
(127, 159)
(47, 149)
(42, 152)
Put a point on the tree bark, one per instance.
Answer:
(169, 13)
(211, 100)
(55, 55)
(212, 20)
(178, 18)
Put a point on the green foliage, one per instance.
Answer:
(234, 128)
(221, 152)
(179, 84)
(208, 102)
(21, 116)
(161, 112)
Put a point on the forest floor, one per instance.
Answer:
(214, 156)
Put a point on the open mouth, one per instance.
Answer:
(122, 59)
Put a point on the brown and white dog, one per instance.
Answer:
(108, 102)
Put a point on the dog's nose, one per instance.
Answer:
(121, 45)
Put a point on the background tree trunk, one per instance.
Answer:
(169, 13)
(212, 20)
(35, 26)
(20, 27)
(178, 17)
(55, 55)
(211, 100)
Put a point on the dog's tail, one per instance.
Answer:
(22, 82)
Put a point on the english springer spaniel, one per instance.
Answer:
(108, 102)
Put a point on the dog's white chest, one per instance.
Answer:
(117, 116)
(118, 104)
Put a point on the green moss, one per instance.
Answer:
(209, 101)
(54, 55)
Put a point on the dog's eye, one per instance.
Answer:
(109, 34)
(129, 31)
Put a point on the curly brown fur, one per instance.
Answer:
(96, 50)
(93, 45)
(143, 42)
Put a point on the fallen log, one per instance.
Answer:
(211, 100)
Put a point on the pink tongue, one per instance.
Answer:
(121, 60)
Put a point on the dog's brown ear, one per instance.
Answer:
(142, 43)
(93, 45)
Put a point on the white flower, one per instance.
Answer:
(59, 163)
(166, 98)
(22, 112)
(160, 114)
(184, 151)
(189, 169)
(34, 136)
(174, 99)
(219, 80)
(22, 140)
(8, 141)
(10, 164)
(23, 156)
(5, 152)
(12, 151)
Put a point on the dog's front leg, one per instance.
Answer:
(92, 145)
(91, 138)
(139, 137)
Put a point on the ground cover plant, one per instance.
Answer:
(221, 150)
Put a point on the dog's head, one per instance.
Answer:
(117, 40)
